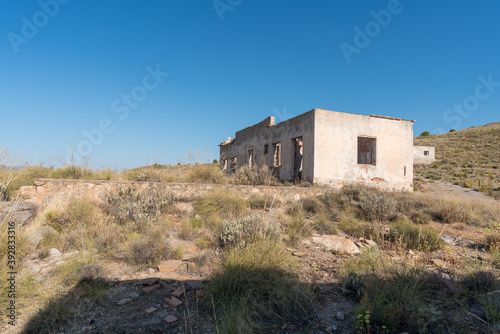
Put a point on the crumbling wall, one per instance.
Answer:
(261, 140)
(45, 190)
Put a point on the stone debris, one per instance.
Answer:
(151, 288)
(171, 318)
(124, 301)
(337, 244)
(170, 265)
(179, 291)
(174, 302)
(150, 310)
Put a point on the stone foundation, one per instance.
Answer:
(45, 190)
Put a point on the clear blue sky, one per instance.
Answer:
(68, 67)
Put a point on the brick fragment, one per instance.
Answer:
(174, 302)
(150, 310)
(171, 318)
(151, 288)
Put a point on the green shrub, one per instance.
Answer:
(425, 134)
(255, 286)
(414, 236)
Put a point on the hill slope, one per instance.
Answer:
(469, 157)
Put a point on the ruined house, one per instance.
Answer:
(327, 148)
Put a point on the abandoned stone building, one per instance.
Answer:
(327, 148)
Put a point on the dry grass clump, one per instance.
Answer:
(215, 206)
(248, 229)
(147, 250)
(414, 236)
(131, 204)
(205, 173)
(393, 298)
(77, 211)
(254, 176)
(256, 286)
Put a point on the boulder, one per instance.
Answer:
(19, 212)
(38, 235)
(337, 244)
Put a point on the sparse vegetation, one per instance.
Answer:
(468, 158)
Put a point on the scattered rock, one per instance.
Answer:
(150, 310)
(172, 301)
(185, 207)
(179, 291)
(19, 212)
(170, 265)
(151, 271)
(37, 236)
(54, 253)
(124, 301)
(337, 244)
(299, 254)
(151, 288)
(340, 315)
(147, 281)
(171, 318)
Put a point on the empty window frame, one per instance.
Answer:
(232, 166)
(266, 148)
(277, 154)
(366, 151)
(426, 152)
(250, 158)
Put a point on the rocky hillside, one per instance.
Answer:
(469, 157)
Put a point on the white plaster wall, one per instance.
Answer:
(420, 158)
(335, 160)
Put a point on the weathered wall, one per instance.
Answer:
(419, 156)
(45, 190)
(335, 160)
(266, 132)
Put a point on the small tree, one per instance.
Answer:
(425, 134)
(453, 130)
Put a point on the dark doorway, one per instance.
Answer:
(298, 155)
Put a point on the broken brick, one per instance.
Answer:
(179, 291)
(171, 318)
(150, 310)
(151, 288)
(174, 302)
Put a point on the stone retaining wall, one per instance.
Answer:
(44, 190)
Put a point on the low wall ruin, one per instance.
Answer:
(45, 190)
